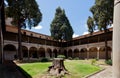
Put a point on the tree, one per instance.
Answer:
(90, 23)
(102, 12)
(2, 29)
(60, 26)
(24, 13)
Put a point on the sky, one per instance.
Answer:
(77, 12)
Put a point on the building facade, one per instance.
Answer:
(36, 46)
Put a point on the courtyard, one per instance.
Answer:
(21, 50)
(76, 68)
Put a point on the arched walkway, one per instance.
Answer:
(49, 52)
(60, 52)
(93, 52)
(25, 51)
(65, 53)
(41, 52)
(55, 53)
(102, 53)
(10, 52)
(33, 52)
(83, 53)
(70, 53)
(76, 53)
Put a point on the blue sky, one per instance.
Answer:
(77, 12)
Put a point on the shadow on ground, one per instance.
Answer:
(10, 70)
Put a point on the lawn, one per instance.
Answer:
(77, 68)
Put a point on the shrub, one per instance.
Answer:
(70, 58)
(44, 60)
(109, 62)
(61, 56)
(76, 58)
(93, 61)
(96, 59)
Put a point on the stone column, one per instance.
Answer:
(98, 52)
(53, 54)
(46, 54)
(67, 53)
(73, 54)
(87, 53)
(116, 40)
(28, 55)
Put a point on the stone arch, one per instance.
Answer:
(25, 51)
(49, 52)
(33, 52)
(70, 54)
(83, 53)
(41, 52)
(93, 52)
(65, 53)
(76, 52)
(10, 52)
(102, 53)
(55, 53)
(60, 52)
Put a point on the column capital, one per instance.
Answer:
(98, 48)
(116, 2)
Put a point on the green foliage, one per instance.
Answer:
(102, 17)
(44, 60)
(61, 56)
(109, 62)
(76, 58)
(70, 58)
(60, 26)
(23, 12)
(96, 59)
(93, 61)
(102, 12)
(90, 24)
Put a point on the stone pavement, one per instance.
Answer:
(9, 70)
(107, 73)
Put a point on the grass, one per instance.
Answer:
(77, 68)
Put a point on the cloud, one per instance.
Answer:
(96, 30)
(85, 33)
(110, 26)
(75, 35)
(8, 21)
(38, 27)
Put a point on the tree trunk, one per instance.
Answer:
(2, 30)
(57, 69)
(106, 47)
(19, 42)
(1, 43)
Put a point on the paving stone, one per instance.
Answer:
(107, 73)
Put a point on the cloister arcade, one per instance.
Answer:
(37, 52)
(37, 46)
